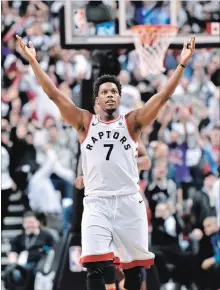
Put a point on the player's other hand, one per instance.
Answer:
(187, 51)
(29, 52)
(79, 183)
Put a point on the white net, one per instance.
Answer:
(151, 44)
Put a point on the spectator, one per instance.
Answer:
(28, 248)
(130, 96)
(41, 185)
(204, 163)
(33, 240)
(209, 256)
(215, 142)
(161, 189)
(203, 204)
(167, 226)
(59, 144)
(178, 146)
(7, 184)
(216, 193)
(26, 156)
(159, 152)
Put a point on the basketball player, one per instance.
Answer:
(143, 163)
(114, 224)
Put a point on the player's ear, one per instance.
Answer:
(97, 100)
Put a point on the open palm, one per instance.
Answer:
(29, 52)
(187, 51)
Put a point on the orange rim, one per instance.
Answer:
(154, 28)
(148, 34)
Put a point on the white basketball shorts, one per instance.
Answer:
(116, 228)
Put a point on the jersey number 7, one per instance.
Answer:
(110, 146)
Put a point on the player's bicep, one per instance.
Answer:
(69, 111)
(140, 118)
(148, 113)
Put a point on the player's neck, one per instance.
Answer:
(108, 116)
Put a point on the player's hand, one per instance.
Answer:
(207, 263)
(79, 183)
(187, 51)
(29, 52)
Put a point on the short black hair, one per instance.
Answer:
(30, 213)
(105, 79)
(42, 218)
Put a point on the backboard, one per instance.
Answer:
(107, 24)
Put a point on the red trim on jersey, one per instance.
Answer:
(116, 260)
(129, 129)
(143, 263)
(90, 119)
(97, 258)
(108, 122)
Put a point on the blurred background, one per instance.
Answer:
(42, 182)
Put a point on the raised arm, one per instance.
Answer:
(140, 118)
(74, 116)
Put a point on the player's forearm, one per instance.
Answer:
(44, 80)
(149, 112)
(172, 83)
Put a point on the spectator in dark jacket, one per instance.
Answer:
(208, 258)
(167, 226)
(161, 188)
(22, 144)
(203, 202)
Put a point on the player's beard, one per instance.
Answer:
(110, 111)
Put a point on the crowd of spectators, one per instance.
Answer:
(39, 151)
(193, 16)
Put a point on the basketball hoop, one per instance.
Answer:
(151, 43)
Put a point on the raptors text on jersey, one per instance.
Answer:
(109, 159)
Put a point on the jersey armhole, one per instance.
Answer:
(129, 129)
(90, 119)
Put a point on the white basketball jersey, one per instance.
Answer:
(109, 159)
